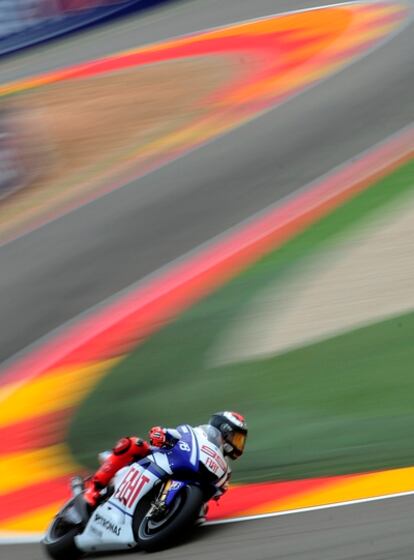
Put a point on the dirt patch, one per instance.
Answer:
(364, 279)
(73, 132)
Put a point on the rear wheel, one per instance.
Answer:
(161, 532)
(59, 540)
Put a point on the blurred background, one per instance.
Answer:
(221, 221)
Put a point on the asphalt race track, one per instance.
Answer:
(60, 270)
(375, 531)
(51, 275)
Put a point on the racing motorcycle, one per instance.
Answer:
(149, 505)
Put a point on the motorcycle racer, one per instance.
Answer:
(231, 425)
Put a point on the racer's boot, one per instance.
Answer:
(202, 516)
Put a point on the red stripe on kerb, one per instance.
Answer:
(206, 47)
(40, 431)
(33, 497)
(240, 499)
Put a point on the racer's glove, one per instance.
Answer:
(158, 436)
(161, 437)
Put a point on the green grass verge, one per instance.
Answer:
(343, 405)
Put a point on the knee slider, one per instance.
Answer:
(140, 448)
(122, 446)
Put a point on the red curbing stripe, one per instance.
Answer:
(33, 433)
(240, 499)
(205, 43)
(146, 308)
(33, 497)
(201, 47)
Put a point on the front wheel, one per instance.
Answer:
(152, 535)
(59, 540)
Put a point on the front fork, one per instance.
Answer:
(166, 496)
(160, 505)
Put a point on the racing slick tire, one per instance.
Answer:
(59, 541)
(152, 536)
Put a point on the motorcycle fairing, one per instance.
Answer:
(108, 529)
(110, 526)
(184, 456)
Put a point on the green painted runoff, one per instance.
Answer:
(339, 406)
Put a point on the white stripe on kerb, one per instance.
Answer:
(309, 509)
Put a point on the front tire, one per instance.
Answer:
(59, 540)
(185, 513)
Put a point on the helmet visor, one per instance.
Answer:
(238, 440)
